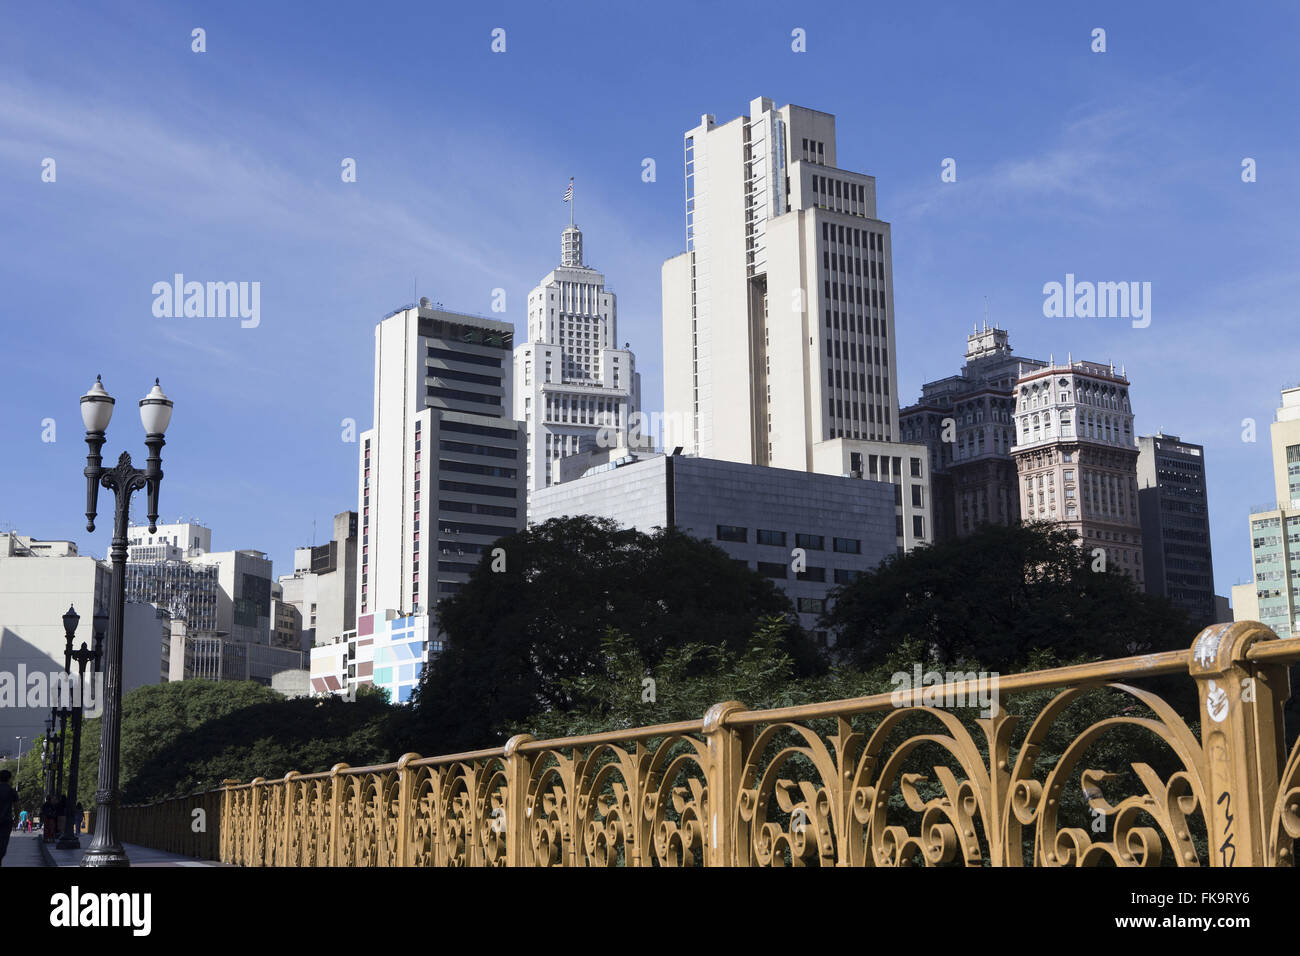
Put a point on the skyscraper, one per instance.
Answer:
(778, 316)
(966, 422)
(1076, 458)
(441, 471)
(574, 387)
(1176, 524)
(1274, 596)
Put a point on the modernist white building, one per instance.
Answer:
(575, 388)
(778, 320)
(440, 474)
(1076, 458)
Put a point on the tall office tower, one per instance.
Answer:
(965, 421)
(441, 470)
(1273, 598)
(1176, 525)
(778, 317)
(575, 389)
(1076, 458)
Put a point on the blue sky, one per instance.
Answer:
(224, 165)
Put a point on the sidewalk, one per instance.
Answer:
(138, 855)
(24, 850)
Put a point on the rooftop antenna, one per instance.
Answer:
(986, 312)
(313, 532)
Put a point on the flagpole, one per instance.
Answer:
(573, 199)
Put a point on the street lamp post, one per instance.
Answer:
(20, 755)
(62, 713)
(47, 756)
(123, 480)
(69, 839)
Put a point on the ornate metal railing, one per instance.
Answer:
(850, 783)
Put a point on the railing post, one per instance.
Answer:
(405, 807)
(518, 772)
(1241, 738)
(257, 826)
(726, 761)
(336, 815)
(226, 833)
(290, 856)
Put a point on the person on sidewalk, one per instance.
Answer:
(48, 820)
(8, 802)
(23, 825)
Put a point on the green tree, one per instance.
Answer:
(517, 638)
(997, 595)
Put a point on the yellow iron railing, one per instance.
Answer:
(807, 785)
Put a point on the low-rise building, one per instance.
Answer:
(39, 581)
(806, 532)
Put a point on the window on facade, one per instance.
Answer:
(771, 537)
(728, 532)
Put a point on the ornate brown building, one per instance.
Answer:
(966, 422)
(1076, 458)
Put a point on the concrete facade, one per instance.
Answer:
(323, 586)
(171, 542)
(441, 472)
(39, 580)
(777, 319)
(244, 596)
(757, 515)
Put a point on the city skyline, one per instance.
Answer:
(1096, 188)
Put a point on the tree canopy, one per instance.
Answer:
(995, 596)
(515, 638)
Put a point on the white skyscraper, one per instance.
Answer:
(575, 387)
(440, 471)
(778, 319)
